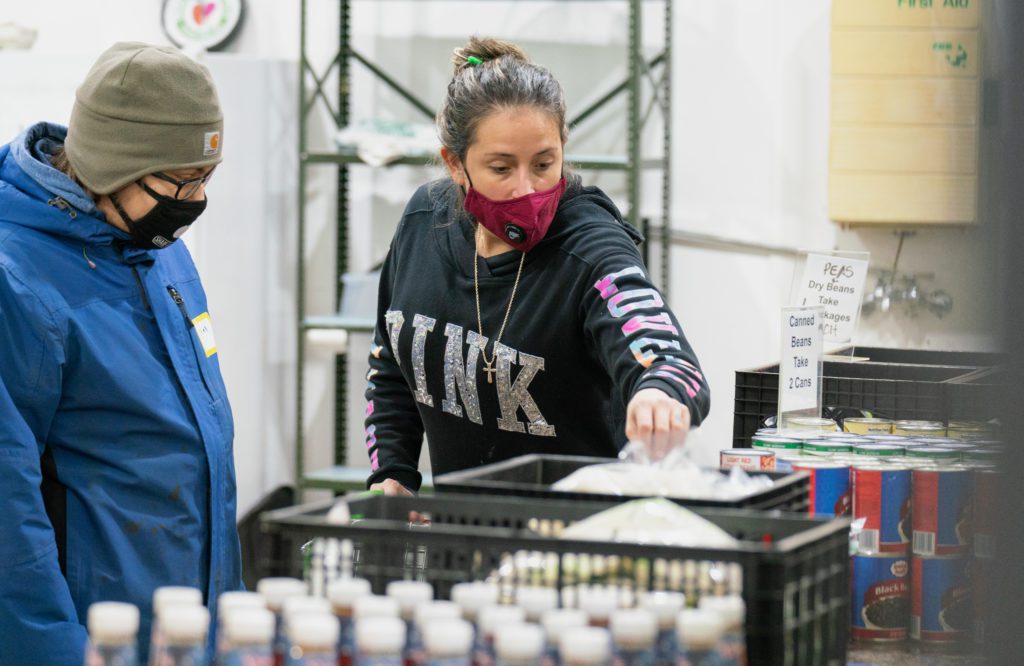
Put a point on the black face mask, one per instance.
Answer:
(163, 225)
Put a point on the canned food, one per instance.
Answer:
(776, 443)
(867, 426)
(881, 495)
(839, 434)
(986, 491)
(880, 587)
(934, 453)
(919, 428)
(879, 449)
(751, 460)
(885, 438)
(988, 456)
(766, 431)
(960, 428)
(942, 501)
(940, 599)
(830, 486)
(812, 423)
(826, 447)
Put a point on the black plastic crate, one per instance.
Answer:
(899, 390)
(532, 476)
(793, 570)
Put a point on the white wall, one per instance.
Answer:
(750, 130)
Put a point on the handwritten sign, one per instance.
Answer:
(836, 284)
(799, 365)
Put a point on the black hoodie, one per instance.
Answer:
(587, 330)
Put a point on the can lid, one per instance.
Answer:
(276, 590)
(634, 625)
(519, 642)
(373, 605)
(556, 621)
(535, 600)
(730, 607)
(599, 602)
(113, 623)
(448, 638)
(249, 626)
(380, 635)
(185, 625)
(172, 595)
(749, 452)
(885, 438)
(294, 606)
(474, 596)
(699, 628)
(937, 452)
(228, 602)
(492, 617)
(903, 423)
(344, 591)
(585, 644)
(319, 630)
(818, 464)
(430, 611)
(665, 606)
(409, 594)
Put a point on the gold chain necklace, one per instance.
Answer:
(489, 363)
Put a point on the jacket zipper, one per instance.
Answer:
(180, 302)
(142, 289)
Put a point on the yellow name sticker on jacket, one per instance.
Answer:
(204, 329)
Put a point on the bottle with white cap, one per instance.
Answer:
(555, 623)
(732, 610)
(699, 633)
(471, 597)
(535, 600)
(379, 641)
(230, 602)
(275, 591)
(448, 642)
(427, 613)
(113, 634)
(313, 639)
(342, 593)
(598, 602)
(635, 636)
(490, 618)
(184, 630)
(518, 644)
(409, 594)
(164, 598)
(585, 646)
(665, 606)
(246, 638)
(297, 609)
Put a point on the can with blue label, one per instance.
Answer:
(881, 496)
(941, 607)
(942, 502)
(830, 486)
(880, 597)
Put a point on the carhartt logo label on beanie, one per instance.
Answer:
(143, 109)
(211, 143)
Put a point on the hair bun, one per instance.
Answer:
(485, 49)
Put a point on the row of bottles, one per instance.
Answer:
(280, 625)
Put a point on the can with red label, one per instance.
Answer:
(941, 608)
(880, 597)
(986, 512)
(830, 486)
(942, 501)
(752, 460)
(881, 495)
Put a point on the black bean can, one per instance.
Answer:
(880, 597)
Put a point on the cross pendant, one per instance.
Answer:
(490, 372)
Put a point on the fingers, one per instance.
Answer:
(392, 488)
(657, 420)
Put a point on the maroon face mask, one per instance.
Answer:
(523, 221)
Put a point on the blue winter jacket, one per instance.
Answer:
(116, 469)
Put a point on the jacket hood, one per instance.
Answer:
(585, 207)
(35, 195)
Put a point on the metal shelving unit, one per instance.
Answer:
(656, 72)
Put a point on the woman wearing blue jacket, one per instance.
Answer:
(116, 469)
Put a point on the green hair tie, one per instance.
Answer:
(473, 60)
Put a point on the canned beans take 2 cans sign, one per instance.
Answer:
(881, 495)
(881, 597)
(940, 599)
(942, 510)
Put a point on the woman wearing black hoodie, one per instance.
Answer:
(515, 314)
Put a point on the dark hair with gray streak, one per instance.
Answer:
(504, 79)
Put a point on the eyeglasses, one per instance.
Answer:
(186, 188)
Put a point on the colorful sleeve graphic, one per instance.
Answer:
(640, 339)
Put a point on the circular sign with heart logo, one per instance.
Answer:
(203, 24)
